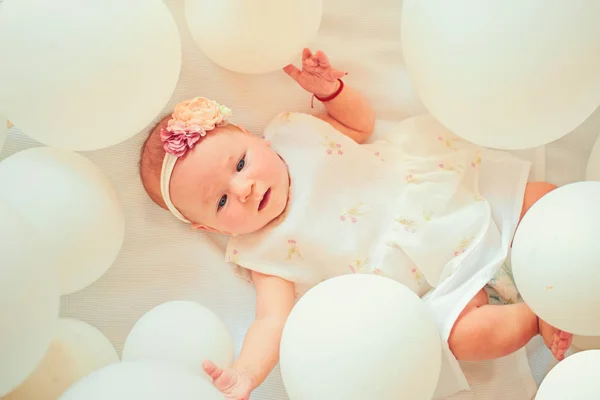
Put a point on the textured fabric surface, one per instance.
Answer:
(163, 259)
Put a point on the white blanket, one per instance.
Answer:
(164, 260)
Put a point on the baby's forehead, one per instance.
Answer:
(218, 152)
(205, 164)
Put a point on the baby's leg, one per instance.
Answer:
(485, 331)
(533, 192)
(554, 338)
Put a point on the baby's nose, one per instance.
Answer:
(242, 188)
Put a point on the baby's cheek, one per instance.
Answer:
(236, 216)
(272, 166)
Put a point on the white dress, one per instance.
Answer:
(422, 207)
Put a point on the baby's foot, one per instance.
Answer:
(557, 341)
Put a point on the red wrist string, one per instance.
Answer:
(328, 98)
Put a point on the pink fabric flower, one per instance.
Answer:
(179, 142)
(190, 121)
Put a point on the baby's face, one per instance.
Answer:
(232, 182)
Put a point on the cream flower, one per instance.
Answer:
(199, 112)
(190, 121)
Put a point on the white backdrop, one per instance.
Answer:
(164, 260)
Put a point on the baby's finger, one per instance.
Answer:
(306, 53)
(322, 58)
(211, 369)
(338, 74)
(311, 62)
(292, 71)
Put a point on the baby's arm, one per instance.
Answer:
(349, 112)
(260, 351)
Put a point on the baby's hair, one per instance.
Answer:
(151, 158)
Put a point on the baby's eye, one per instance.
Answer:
(241, 164)
(222, 202)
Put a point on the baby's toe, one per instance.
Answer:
(560, 353)
(561, 344)
(557, 340)
(566, 336)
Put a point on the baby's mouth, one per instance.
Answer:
(265, 200)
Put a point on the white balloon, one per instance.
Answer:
(359, 337)
(253, 37)
(143, 381)
(72, 204)
(3, 130)
(505, 74)
(76, 350)
(556, 258)
(86, 74)
(575, 378)
(592, 172)
(29, 299)
(183, 333)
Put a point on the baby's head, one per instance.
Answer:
(212, 173)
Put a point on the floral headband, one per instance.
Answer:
(190, 121)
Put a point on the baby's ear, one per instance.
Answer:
(204, 228)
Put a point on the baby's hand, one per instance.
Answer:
(317, 75)
(232, 383)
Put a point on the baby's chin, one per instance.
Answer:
(261, 221)
(248, 229)
(254, 227)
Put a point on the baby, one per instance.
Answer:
(309, 200)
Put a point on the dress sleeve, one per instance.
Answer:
(238, 270)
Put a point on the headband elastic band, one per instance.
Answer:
(165, 180)
(189, 123)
